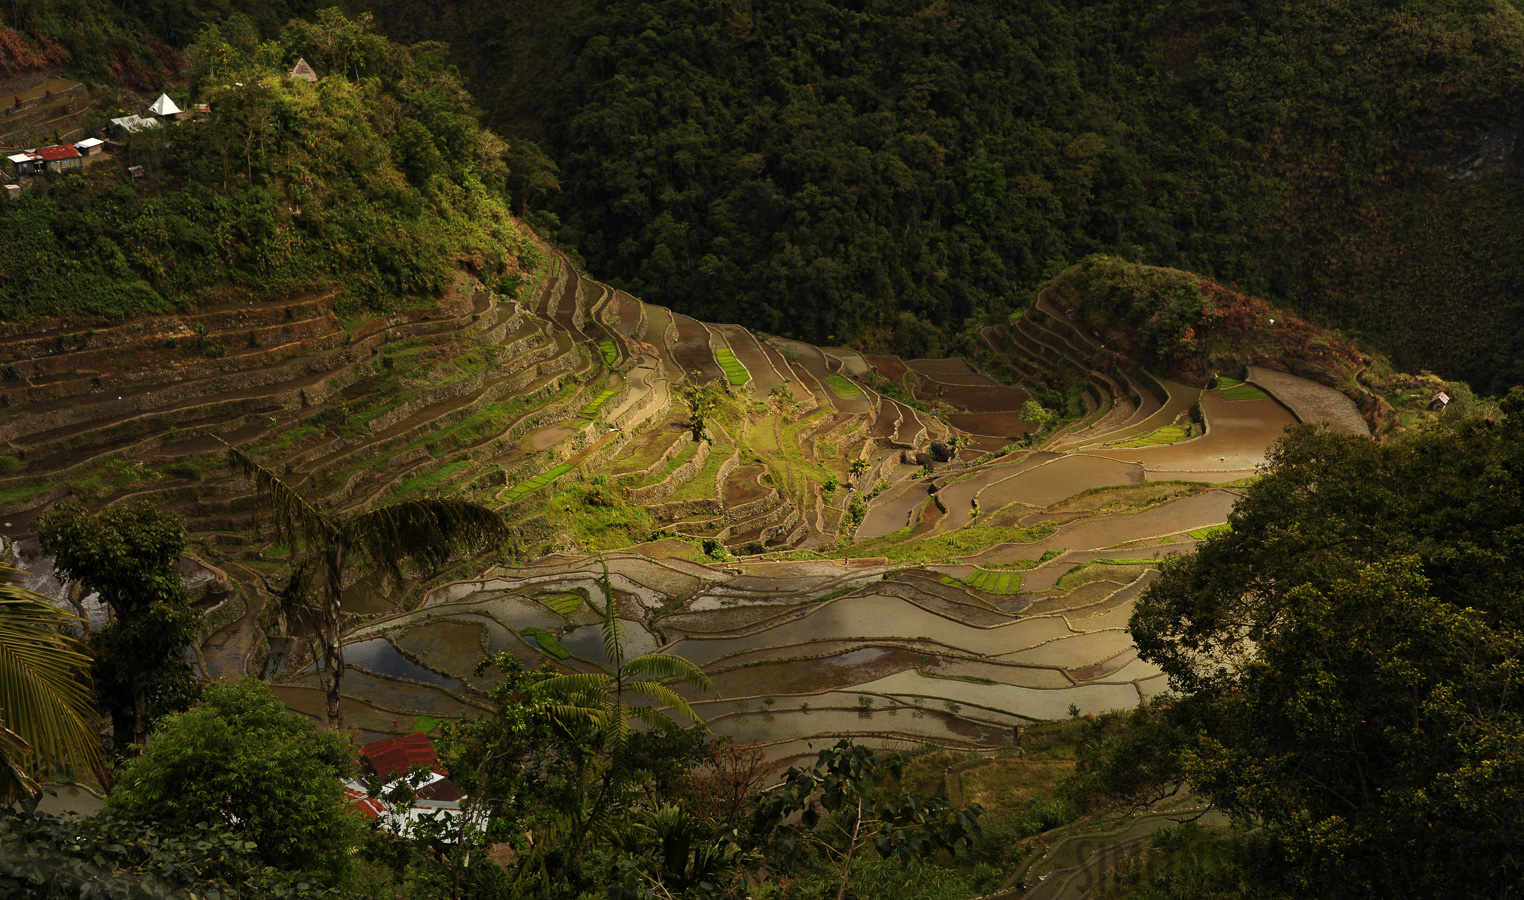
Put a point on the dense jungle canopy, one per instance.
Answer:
(882, 172)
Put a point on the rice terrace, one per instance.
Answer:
(903, 551)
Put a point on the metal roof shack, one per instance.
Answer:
(132, 125)
(61, 157)
(25, 164)
(399, 759)
(90, 146)
(394, 757)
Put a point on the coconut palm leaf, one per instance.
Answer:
(45, 696)
(14, 780)
(428, 531)
(295, 519)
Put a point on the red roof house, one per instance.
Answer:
(60, 158)
(395, 757)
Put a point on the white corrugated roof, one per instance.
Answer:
(135, 123)
(22, 157)
(164, 106)
(87, 143)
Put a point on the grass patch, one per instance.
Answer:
(428, 724)
(610, 352)
(735, 371)
(23, 493)
(1169, 434)
(1211, 531)
(527, 487)
(843, 387)
(1244, 392)
(547, 642)
(596, 404)
(1225, 382)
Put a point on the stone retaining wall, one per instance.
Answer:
(667, 486)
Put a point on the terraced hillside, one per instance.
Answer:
(907, 551)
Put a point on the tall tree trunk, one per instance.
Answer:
(333, 649)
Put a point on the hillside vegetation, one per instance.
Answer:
(381, 182)
(825, 169)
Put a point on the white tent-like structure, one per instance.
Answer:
(164, 107)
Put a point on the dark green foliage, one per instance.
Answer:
(383, 184)
(46, 857)
(130, 556)
(1164, 306)
(1346, 654)
(241, 759)
(885, 168)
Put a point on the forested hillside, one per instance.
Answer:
(824, 168)
(382, 183)
(882, 172)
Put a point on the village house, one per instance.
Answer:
(29, 163)
(90, 147)
(25, 164)
(413, 783)
(61, 158)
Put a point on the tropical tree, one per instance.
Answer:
(598, 707)
(427, 531)
(858, 467)
(47, 713)
(130, 555)
(241, 760)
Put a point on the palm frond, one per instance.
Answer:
(655, 720)
(577, 684)
(295, 519)
(613, 629)
(428, 531)
(569, 715)
(655, 690)
(45, 695)
(667, 665)
(14, 780)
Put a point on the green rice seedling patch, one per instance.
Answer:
(591, 409)
(995, 582)
(610, 351)
(565, 604)
(1244, 392)
(735, 370)
(1169, 434)
(432, 480)
(1211, 531)
(1225, 382)
(527, 487)
(547, 642)
(843, 387)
